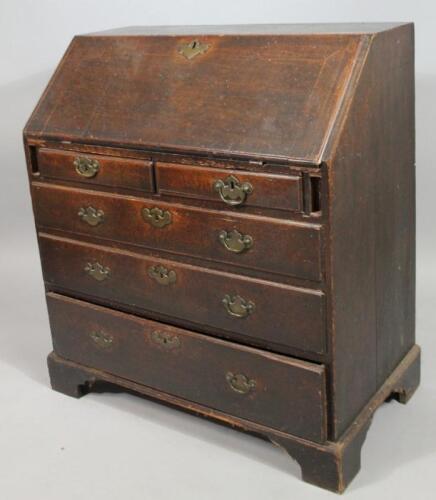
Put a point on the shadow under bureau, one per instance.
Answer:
(226, 223)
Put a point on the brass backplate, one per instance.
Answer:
(193, 49)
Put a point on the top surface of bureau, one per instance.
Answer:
(266, 94)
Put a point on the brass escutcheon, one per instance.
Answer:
(240, 383)
(165, 340)
(193, 49)
(102, 339)
(91, 215)
(235, 242)
(237, 306)
(232, 191)
(156, 217)
(86, 167)
(162, 275)
(97, 271)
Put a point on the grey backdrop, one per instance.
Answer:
(116, 446)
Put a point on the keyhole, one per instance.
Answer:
(194, 44)
(232, 184)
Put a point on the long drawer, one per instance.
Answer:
(267, 244)
(277, 391)
(267, 313)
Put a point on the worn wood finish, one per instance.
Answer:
(319, 259)
(192, 231)
(193, 367)
(331, 465)
(215, 102)
(283, 316)
(372, 227)
(280, 192)
(113, 172)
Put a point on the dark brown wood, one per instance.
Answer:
(255, 96)
(269, 191)
(196, 295)
(192, 231)
(330, 465)
(289, 394)
(113, 172)
(372, 226)
(309, 283)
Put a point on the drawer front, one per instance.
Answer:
(277, 391)
(232, 188)
(98, 170)
(262, 243)
(267, 313)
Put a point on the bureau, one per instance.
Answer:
(226, 223)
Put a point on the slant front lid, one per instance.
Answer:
(264, 96)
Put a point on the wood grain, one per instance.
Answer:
(283, 316)
(196, 368)
(113, 172)
(192, 231)
(281, 192)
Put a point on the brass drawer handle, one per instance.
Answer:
(102, 339)
(156, 217)
(91, 215)
(97, 271)
(86, 167)
(240, 383)
(232, 191)
(165, 340)
(162, 275)
(235, 242)
(237, 306)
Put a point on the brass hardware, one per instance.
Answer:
(91, 215)
(235, 242)
(240, 382)
(232, 191)
(97, 271)
(165, 340)
(156, 217)
(102, 339)
(237, 306)
(86, 167)
(193, 48)
(162, 275)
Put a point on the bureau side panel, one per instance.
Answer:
(371, 185)
(395, 205)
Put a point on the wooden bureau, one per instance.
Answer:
(226, 223)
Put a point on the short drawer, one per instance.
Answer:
(264, 313)
(99, 170)
(276, 391)
(234, 188)
(261, 243)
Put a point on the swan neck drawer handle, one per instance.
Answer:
(91, 215)
(97, 271)
(86, 167)
(232, 191)
(102, 339)
(235, 242)
(156, 217)
(240, 383)
(238, 307)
